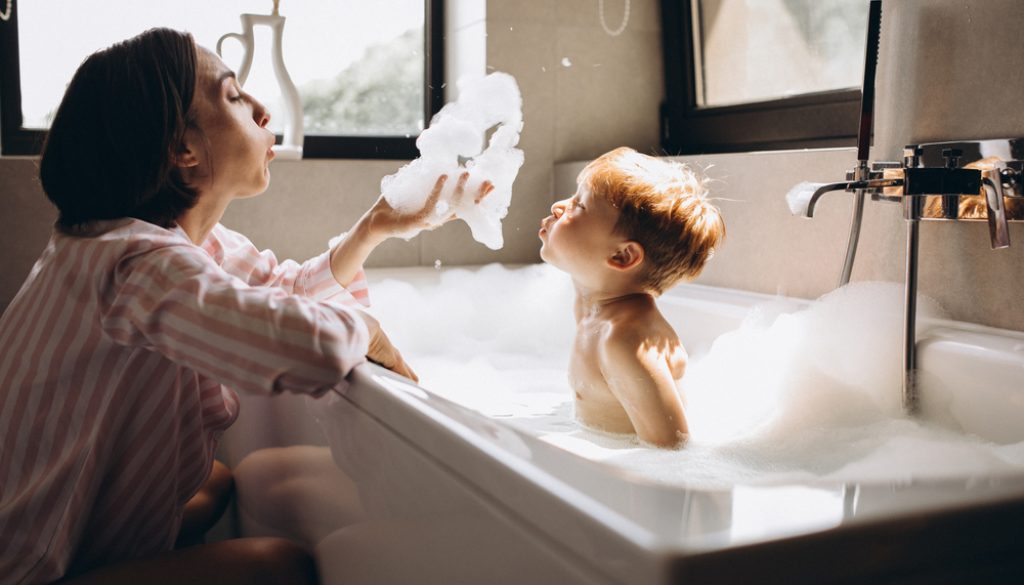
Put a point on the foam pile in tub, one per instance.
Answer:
(789, 396)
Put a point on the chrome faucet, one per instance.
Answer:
(934, 171)
(927, 170)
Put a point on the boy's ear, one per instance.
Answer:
(628, 255)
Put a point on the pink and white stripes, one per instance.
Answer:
(118, 360)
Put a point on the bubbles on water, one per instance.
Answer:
(459, 131)
(491, 312)
(805, 395)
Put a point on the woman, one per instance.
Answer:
(120, 355)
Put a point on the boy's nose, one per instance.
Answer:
(558, 208)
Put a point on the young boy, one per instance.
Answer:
(636, 226)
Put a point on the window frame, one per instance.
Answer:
(16, 140)
(812, 120)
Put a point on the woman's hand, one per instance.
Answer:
(381, 351)
(384, 221)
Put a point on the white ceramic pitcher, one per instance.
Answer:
(293, 131)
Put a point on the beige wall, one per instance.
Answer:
(609, 96)
(949, 70)
(769, 250)
(25, 220)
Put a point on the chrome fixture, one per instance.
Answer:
(934, 184)
(931, 184)
(867, 109)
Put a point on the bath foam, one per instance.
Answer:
(816, 398)
(459, 132)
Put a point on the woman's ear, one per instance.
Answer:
(186, 156)
(628, 254)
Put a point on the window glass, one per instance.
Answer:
(758, 50)
(358, 65)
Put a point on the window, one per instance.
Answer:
(745, 75)
(369, 73)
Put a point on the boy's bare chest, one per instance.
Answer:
(584, 363)
(594, 402)
(585, 374)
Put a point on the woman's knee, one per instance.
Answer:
(207, 506)
(221, 482)
(279, 560)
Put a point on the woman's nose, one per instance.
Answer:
(260, 114)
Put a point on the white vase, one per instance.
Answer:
(291, 148)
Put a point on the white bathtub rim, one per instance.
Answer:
(614, 544)
(443, 432)
(623, 533)
(454, 419)
(462, 415)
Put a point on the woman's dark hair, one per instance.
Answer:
(111, 148)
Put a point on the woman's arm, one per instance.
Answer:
(239, 257)
(382, 222)
(175, 301)
(336, 275)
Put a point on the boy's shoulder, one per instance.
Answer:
(639, 324)
(646, 340)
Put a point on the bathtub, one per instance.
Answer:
(392, 483)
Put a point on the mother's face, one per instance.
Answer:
(227, 152)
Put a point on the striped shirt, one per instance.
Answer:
(119, 358)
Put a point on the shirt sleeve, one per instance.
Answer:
(239, 257)
(176, 301)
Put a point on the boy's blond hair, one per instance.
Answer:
(663, 207)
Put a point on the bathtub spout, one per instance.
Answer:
(870, 186)
(820, 192)
(923, 174)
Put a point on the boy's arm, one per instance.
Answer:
(638, 375)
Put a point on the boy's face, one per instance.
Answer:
(578, 235)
